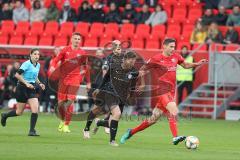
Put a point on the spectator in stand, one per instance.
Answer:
(208, 17)
(234, 17)
(213, 4)
(134, 3)
(128, 14)
(221, 17)
(199, 33)
(151, 3)
(159, 16)
(38, 12)
(231, 35)
(97, 14)
(5, 12)
(113, 15)
(214, 34)
(68, 14)
(84, 12)
(143, 16)
(229, 3)
(52, 12)
(20, 13)
(119, 3)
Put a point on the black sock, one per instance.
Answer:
(33, 121)
(103, 123)
(11, 114)
(90, 119)
(113, 130)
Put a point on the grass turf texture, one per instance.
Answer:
(219, 140)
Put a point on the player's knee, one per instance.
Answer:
(19, 112)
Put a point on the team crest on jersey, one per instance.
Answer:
(173, 60)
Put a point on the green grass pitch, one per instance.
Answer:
(219, 140)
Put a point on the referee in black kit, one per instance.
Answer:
(26, 91)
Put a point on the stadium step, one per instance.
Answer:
(196, 113)
(197, 105)
(207, 98)
(212, 91)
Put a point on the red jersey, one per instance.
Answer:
(68, 59)
(171, 63)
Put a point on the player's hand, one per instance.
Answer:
(88, 87)
(42, 86)
(202, 61)
(28, 85)
(94, 94)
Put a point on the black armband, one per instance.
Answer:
(20, 71)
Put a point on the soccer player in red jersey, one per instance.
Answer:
(70, 77)
(166, 102)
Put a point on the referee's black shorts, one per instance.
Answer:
(23, 93)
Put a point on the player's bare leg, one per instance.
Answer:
(156, 114)
(172, 119)
(116, 114)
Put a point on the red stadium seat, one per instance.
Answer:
(179, 14)
(91, 42)
(22, 28)
(66, 29)
(75, 4)
(51, 28)
(179, 5)
(36, 28)
(33, 40)
(61, 42)
(194, 14)
(127, 31)
(232, 47)
(223, 29)
(216, 47)
(158, 31)
(137, 44)
(203, 48)
(45, 41)
(16, 40)
(82, 28)
(152, 45)
(96, 30)
(187, 30)
(181, 44)
(173, 31)
(186, 2)
(111, 30)
(142, 31)
(7, 27)
(104, 41)
(3, 39)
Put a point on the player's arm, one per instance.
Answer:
(56, 60)
(20, 78)
(40, 84)
(187, 65)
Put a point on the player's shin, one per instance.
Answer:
(90, 119)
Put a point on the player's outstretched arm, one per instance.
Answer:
(187, 65)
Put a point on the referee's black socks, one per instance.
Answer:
(90, 119)
(11, 113)
(33, 121)
(103, 122)
(113, 130)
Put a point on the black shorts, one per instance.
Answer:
(23, 93)
(106, 100)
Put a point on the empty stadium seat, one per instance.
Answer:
(45, 41)
(51, 28)
(36, 28)
(158, 31)
(91, 42)
(201, 49)
(66, 29)
(142, 31)
(82, 28)
(16, 40)
(152, 45)
(104, 41)
(22, 28)
(32, 40)
(194, 13)
(232, 47)
(96, 30)
(3, 39)
(138, 44)
(127, 31)
(216, 47)
(179, 14)
(61, 42)
(173, 31)
(187, 30)
(111, 30)
(223, 29)
(7, 27)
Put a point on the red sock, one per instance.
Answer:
(68, 114)
(145, 124)
(61, 113)
(173, 125)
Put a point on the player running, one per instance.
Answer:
(26, 91)
(114, 90)
(166, 103)
(71, 76)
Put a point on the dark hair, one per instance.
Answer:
(184, 46)
(35, 4)
(130, 54)
(76, 33)
(33, 50)
(168, 40)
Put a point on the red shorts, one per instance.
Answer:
(163, 101)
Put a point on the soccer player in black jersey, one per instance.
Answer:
(114, 90)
